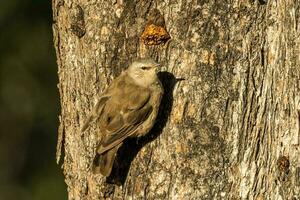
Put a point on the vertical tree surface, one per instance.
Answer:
(229, 130)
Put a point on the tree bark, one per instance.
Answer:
(230, 130)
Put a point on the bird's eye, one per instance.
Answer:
(144, 68)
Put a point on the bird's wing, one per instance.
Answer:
(121, 120)
(96, 112)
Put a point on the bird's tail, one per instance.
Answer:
(104, 162)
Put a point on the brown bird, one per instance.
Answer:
(127, 108)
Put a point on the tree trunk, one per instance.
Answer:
(230, 130)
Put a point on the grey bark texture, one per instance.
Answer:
(230, 130)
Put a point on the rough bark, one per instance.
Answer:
(230, 130)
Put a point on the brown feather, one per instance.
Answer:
(103, 163)
(129, 109)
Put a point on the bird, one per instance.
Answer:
(127, 108)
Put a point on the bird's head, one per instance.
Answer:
(144, 71)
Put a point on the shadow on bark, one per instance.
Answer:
(132, 146)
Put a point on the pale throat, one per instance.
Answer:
(144, 80)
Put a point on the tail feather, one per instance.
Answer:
(104, 162)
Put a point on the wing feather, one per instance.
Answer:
(126, 130)
(125, 107)
(95, 113)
